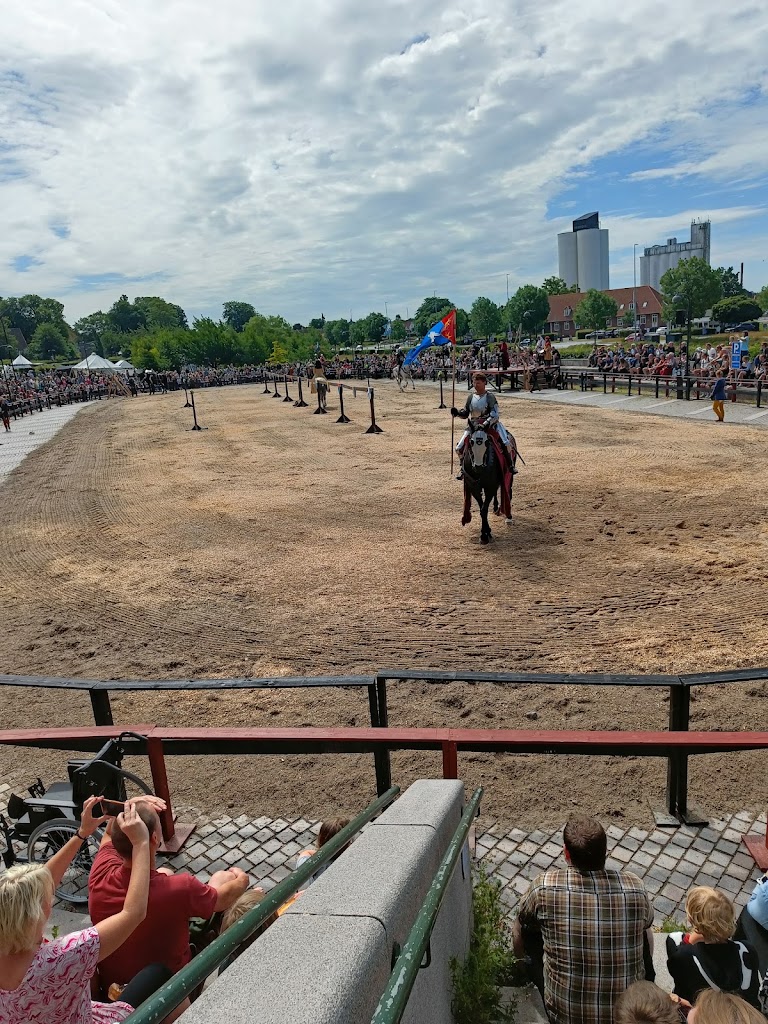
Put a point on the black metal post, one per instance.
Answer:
(102, 710)
(374, 427)
(442, 403)
(342, 418)
(287, 396)
(380, 720)
(187, 403)
(301, 404)
(277, 393)
(266, 390)
(319, 411)
(194, 412)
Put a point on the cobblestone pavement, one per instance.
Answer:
(29, 432)
(669, 861)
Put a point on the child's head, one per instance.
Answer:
(645, 1003)
(710, 913)
(723, 1008)
(329, 829)
(251, 898)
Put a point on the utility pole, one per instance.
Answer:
(634, 287)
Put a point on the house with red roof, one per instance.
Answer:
(561, 323)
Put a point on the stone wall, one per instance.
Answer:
(328, 959)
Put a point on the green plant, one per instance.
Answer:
(490, 962)
(669, 924)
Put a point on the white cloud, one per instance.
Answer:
(318, 155)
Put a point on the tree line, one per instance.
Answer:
(155, 334)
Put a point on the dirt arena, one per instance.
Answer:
(278, 542)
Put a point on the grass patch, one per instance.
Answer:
(490, 963)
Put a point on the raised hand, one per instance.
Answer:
(88, 823)
(132, 826)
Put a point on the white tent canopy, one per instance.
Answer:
(21, 361)
(95, 362)
(124, 364)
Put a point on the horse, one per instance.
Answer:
(483, 476)
(402, 374)
(319, 387)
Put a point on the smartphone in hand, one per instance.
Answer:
(110, 808)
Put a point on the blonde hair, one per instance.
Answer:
(711, 913)
(723, 1008)
(251, 898)
(645, 1003)
(23, 890)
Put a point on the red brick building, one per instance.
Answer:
(649, 313)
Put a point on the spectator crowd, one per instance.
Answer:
(584, 930)
(657, 357)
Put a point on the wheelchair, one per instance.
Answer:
(45, 820)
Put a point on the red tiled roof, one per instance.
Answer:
(643, 292)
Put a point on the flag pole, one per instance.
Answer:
(453, 398)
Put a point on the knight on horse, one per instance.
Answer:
(482, 408)
(319, 383)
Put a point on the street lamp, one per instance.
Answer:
(684, 301)
(634, 287)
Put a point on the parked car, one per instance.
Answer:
(749, 325)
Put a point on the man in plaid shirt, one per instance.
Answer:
(590, 922)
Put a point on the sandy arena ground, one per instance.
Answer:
(278, 542)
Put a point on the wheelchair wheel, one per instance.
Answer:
(48, 839)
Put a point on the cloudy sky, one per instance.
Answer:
(328, 156)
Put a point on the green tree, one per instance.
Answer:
(692, 285)
(159, 313)
(91, 331)
(462, 323)
(432, 309)
(374, 327)
(762, 298)
(484, 317)
(735, 309)
(48, 343)
(144, 355)
(170, 344)
(279, 353)
(237, 314)
(555, 286)
(317, 323)
(337, 333)
(28, 312)
(594, 310)
(398, 332)
(527, 310)
(125, 317)
(357, 333)
(729, 282)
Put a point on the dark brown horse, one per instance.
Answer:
(483, 476)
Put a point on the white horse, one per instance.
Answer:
(403, 374)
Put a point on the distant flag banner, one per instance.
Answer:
(442, 333)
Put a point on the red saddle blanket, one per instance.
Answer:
(505, 504)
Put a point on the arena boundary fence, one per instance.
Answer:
(283, 379)
(157, 742)
(676, 806)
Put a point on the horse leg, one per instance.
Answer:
(485, 532)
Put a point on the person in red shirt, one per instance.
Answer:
(163, 936)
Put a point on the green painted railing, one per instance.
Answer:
(395, 998)
(175, 991)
